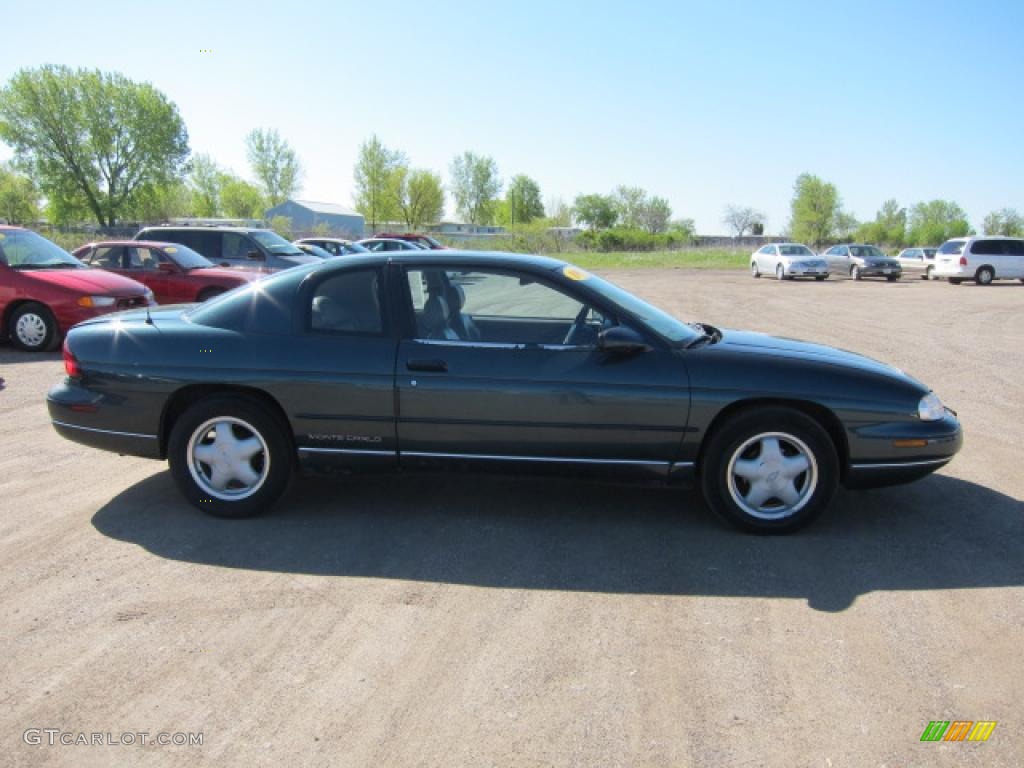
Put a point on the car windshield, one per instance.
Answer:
(274, 243)
(22, 249)
(951, 247)
(866, 251)
(659, 321)
(186, 258)
(795, 250)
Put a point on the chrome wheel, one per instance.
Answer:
(228, 458)
(31, 330)
(984, 276)
(780, 273)
(772, 475)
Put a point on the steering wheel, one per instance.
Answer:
(578, 328)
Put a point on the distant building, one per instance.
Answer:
(306, 215)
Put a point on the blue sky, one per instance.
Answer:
(705, 105)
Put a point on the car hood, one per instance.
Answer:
(761, 343)
(88, 281)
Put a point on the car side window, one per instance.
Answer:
(236, 246)
(140, 258)
(348, 302)
(480, 305)
(107, 257)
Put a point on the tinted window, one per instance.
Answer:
(1015, 247)
(141, 258)
(988, 247)
(186, 258)
(236, 246)
(264, 306)
(107, 257)
(795, 250)
(951, 247)
(929, 253)
(348, 302)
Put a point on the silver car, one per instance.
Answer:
(858, 260)
(920, 261)
(786, 261)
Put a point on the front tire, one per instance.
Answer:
(984, 276)
(769, 470)
(780, 272)
(955, 281)
(230, 456)
(892, 278)
(929, 273)
(33, 328)
(855, 272)
(754, 271)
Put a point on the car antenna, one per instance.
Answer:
(149, 320)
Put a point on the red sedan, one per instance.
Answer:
(44, 290)
(174, 272)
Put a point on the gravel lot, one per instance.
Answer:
(458, 621)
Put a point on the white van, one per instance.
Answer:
(981, 259)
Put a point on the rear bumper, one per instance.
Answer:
(79, 415)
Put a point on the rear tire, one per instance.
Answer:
(892, 278)
(33, 328)
(769, 470)
(984, 276)
(230, 456)
(955, 281)
(822, 277)
(929, 273)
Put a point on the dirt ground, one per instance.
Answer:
(498, 621)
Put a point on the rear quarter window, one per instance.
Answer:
(951, 248)
(988, 247)
(264, 306)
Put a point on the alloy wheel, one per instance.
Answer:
(228, 458)
(772, 475)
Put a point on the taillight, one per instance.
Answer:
(963, 261)
(71, 362)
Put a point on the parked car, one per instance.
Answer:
(44, 291)
(375, 244)
(423, 241)
(787, 261)
(417, 359)
(981, 259)
(233, 246)
(314, 250)
(175, 273)
(918, 261)
(857, 261)
(335, 246)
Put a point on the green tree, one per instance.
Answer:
(742, 219)
(377, 180)
(936, 221)
(888, 228)
(241, 200)
(814, 210)
(846, 225)
(595, 211)
(94, 141)
(170, 201)
(19, 197)
(206, 179)
(274, 164)
(685, 228)
(475, 187)
(630, 203)
(558, 211)
(420, 196)
(655, 215)
(522, 202)
(1007, 222)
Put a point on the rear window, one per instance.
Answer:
(951, 247)
(264, 306)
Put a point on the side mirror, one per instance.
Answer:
(255, 256)
(620, 340)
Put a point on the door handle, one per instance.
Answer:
(434, 366)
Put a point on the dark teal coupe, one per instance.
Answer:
(431, 359)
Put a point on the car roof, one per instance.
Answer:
(498, 259)
(323, 240)
(152, 243)
(10, 226)
(202, 228)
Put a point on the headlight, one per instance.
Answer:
(930, 408)
(96, 301)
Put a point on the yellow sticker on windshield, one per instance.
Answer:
(170, 250)
(2, 236)
(575, 273)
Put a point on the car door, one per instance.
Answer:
(340, 393)
(502, 366)
(108, 257)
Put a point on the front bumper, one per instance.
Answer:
(876, 460)
(880, 271)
